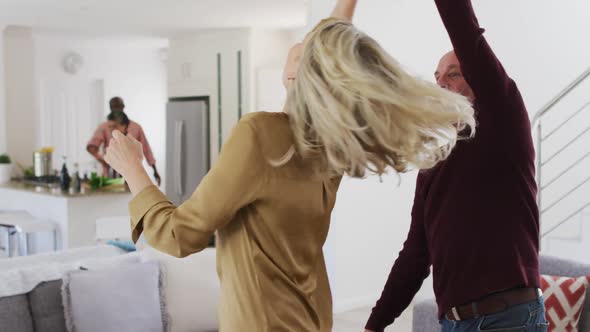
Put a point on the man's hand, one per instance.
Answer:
(157, 177)
(344, 9)
(95, 152)
(92, 149)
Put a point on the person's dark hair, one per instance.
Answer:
(119, 117)
(116, 101)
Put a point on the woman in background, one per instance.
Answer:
(103, 134)
(350, 108)
(120, 121)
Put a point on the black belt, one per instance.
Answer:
(493, 304)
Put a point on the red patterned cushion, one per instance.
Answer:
(564, 301)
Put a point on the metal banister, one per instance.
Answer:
(560, 96)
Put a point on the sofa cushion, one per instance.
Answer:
(564, 299)
(15, 315)
(191, 288)
(569, 268)
(562, 267)
(126, 298)
(47, 308)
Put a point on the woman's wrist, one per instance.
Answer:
(138, 180)
(131, 168)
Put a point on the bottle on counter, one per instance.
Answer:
(64, 179)
(76, 181)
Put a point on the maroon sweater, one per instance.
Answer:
(475, 218)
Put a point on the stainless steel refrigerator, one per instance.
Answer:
(187, 147)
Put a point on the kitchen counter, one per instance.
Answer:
(74, 214)
(56, 192)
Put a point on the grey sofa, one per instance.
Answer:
(40, 310)
(425, 313)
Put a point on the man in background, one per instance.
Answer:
(102, 136)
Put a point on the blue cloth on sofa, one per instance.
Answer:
(128, 246)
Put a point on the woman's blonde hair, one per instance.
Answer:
(355, 108)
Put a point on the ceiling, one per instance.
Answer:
(157, 17)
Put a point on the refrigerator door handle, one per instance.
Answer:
(178, 148)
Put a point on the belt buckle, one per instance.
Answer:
(455, 313)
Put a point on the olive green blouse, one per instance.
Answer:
(271, 223)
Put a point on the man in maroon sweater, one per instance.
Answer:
(475, 218)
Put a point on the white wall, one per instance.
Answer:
(543, 53)
(192, 72)
(269, 49)
(127, 67)
(2, 93)
(571, 241)
(21, 115)
(541, 57)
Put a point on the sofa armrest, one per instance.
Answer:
(562, 267)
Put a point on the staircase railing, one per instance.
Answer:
(541, 161)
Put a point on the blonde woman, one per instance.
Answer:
(350, 108)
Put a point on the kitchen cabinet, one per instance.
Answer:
(74, 215)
